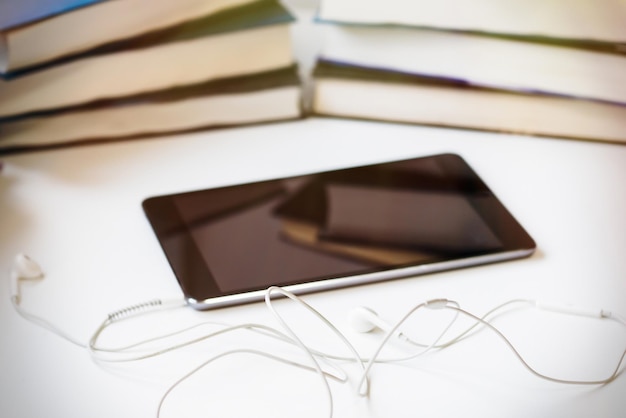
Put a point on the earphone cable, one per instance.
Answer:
(476, 324)
(37, 320)
(307, 350)
(245, 351)
(529, 367)
(395, 328)
(140, 349)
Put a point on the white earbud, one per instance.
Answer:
(363, 319)
(24, 268)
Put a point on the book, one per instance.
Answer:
(250, 99)
(195, 52)
(481, 61)
(69, 29)
(373, 94)
(599, 22)
(536, 86)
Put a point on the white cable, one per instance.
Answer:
(531, 369)
(262, 329)
(37, 320)
(98, 352)
(242, 351)
(129, 352)
(467, 332)
(393, 331)
(322, 318)
(307, 350)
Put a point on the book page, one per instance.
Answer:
(481, 60)
(601, 20)
(151, 69)
(103, 23)
(471, 108)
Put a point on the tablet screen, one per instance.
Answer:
(332, 229)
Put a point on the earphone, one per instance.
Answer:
(363, 319)
(324, 364)
(24, 268)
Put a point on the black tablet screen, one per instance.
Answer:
(326, 225)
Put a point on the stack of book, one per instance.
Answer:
(553, 68)
(119, 69)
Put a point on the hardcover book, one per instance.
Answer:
(480, 60)
(195, 52)
(598, 23)
(257, 98)
(64, 30)
(362, 93)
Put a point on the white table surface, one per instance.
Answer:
(78, 212)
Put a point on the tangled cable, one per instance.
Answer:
(324, 364)
(320, 362)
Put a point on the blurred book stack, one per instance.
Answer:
(554, 68)
(95, 70)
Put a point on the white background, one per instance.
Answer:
(78, 213)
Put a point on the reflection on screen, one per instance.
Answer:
(335, 224)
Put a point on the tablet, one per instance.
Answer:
(333, 229)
